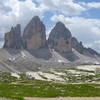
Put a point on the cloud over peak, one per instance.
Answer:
(85, 29)
(70, 12)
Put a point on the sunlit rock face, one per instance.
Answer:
(34, 36)
(13, 38)
(60, 38)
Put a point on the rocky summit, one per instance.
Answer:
(13, 38)
(32, 51)
(34, 36)
(60, 38)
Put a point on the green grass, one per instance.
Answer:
(25, 87)
(35, 88)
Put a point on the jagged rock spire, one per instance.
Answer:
(60, 38)
(13, 38)
(34, 35)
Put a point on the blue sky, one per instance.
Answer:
(87, 0)
(82, 17)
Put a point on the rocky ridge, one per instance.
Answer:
(34, 37)
(32, 50)
(78, 46)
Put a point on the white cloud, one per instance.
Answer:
(13, 12)
(19, 12)
(94, 5)
(4, 9)
(97, 41)
(86, 30)
(88, 45)
(67, 7)
(91, 4)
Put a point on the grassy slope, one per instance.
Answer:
(48, 89)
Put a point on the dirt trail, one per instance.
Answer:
(66, 98)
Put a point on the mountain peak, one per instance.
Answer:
(35, 19)
(61, 30)
(34, 35)
(60, 24)
(13, 38)
(60, 38)
(34, 38)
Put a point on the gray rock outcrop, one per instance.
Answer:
(34, 36)
(13, 38)
(60, 38)
(78, 46)
(60, 43)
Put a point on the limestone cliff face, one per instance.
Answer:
(13, 38)
(60, 38)
(34, 36)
